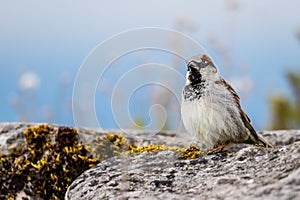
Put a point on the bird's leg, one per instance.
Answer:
(216, 150)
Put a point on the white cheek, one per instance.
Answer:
(187, 81)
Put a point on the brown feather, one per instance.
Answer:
(246, 120)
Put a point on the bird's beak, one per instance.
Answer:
(191, 67)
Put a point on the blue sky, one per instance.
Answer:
(53, 38)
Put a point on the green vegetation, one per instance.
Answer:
(286, 111)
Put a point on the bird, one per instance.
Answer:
(211, 109)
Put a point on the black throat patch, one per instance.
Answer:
(195, 90)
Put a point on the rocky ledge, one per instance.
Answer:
(250, 173)
(243, 172)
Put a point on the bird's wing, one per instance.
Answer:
(246, 120)
(256, 138)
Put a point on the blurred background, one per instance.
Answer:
(256, 45)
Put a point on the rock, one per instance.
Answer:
(250, 173)
(38, 168)
(11, 135)
(247, 172)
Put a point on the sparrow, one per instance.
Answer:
(211, 108)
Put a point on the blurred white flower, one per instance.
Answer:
(29, 81)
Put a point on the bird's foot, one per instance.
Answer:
(216, 150)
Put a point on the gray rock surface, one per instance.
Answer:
(11, 134)
(249, 173)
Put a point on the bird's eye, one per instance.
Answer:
(203, 63)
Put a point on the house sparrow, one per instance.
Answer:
(211, 108)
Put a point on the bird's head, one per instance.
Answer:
(200, 68)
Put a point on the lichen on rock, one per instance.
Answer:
(50, 158)
(45, 166)
(41, 161)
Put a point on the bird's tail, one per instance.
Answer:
(264, 142)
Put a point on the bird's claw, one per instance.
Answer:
(216, 150)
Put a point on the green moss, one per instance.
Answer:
(51, 158)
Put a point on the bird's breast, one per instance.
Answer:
(207, 117)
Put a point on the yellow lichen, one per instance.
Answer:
(191, 153)
(150, 148)
(46, 166)
(53, 157)
(110, 145)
